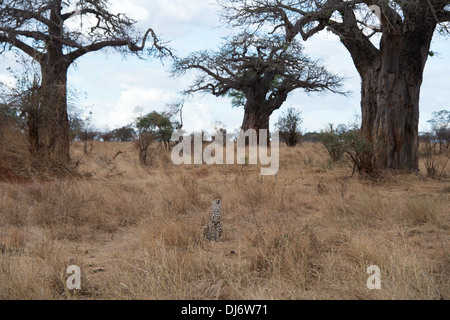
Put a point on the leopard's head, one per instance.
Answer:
(217, 199)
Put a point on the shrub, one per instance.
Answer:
(435, 166)
(153, 127)
(440, 124)
(289, 127)
(358, 150)
(331, 139)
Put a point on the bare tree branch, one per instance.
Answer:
(72, 56)
(110, 30)
(265, 70)
(33, 53)
(443, 15)
(39, 28)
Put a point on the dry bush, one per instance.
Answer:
(434, 160)
(15, 151)
(15, 155)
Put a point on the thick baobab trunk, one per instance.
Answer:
(396, 125)
(390, 118)
(390, 101)
(256, 117)
(48, 123)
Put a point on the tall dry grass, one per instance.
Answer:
(310, 232)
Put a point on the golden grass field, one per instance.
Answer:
(311, 232)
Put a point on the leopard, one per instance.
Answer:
(213, 228)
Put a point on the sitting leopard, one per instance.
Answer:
(214, 228)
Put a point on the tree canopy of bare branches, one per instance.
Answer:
(263, 69)
(55, 33)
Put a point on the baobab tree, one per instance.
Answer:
(389, 42)
(259, 72)
(55, 33)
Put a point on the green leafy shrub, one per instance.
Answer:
(350, 145)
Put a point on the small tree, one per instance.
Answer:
(429, 152)
(153, 127)
(289, 127)
(310, 137)
(21, 97)
(76, 125)
(124, 134)
(434, 159)
(353, 145)
(107, 136)
(332, 141)
(440, 126)
(359, 151)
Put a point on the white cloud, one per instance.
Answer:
(122, 112)
(7, 79)
(197, 116)
(133, 9)
(170, 18)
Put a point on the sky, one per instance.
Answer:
(117, 90)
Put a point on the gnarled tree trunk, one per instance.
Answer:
(390, 97)
(256, 116)
(48, 123)
(392, 122)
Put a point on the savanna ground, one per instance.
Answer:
(310, 232)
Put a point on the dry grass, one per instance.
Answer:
(311, 232)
